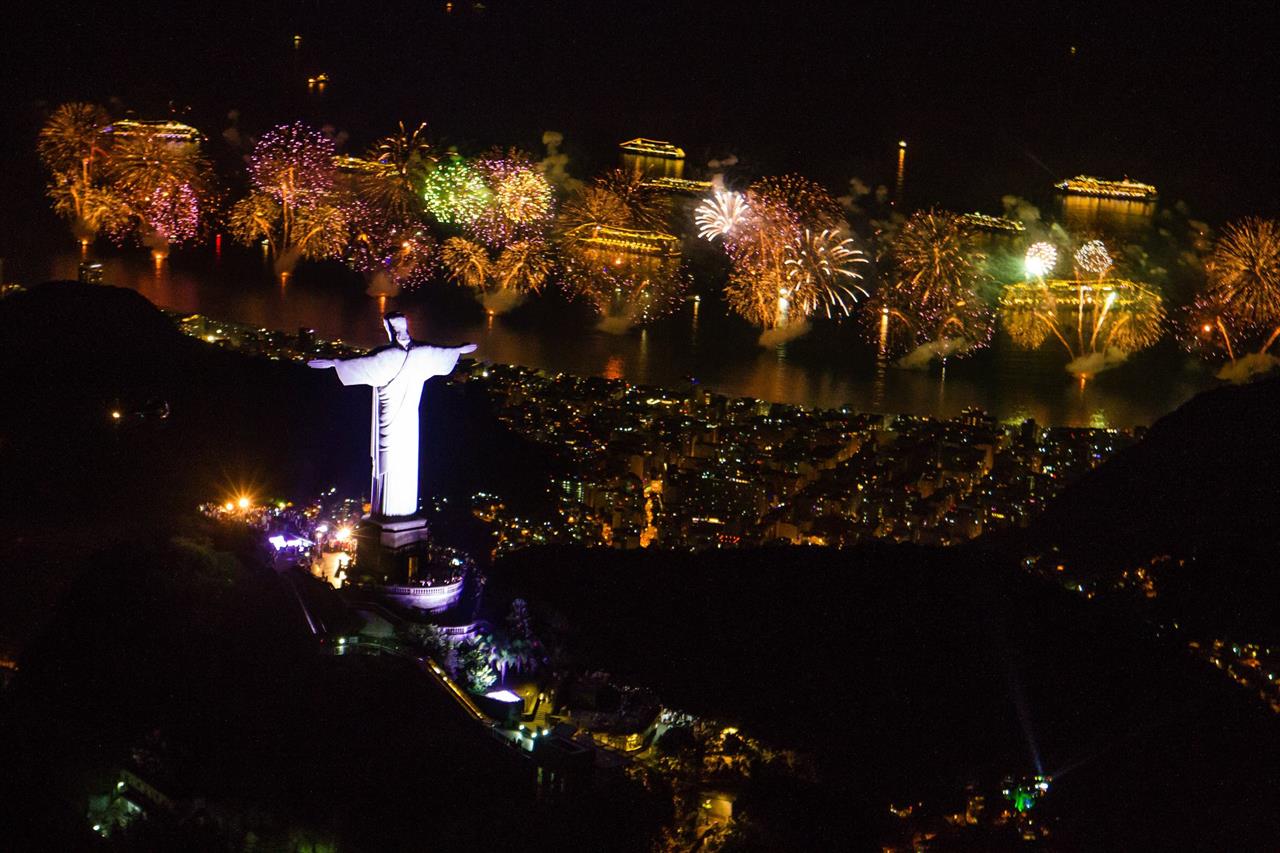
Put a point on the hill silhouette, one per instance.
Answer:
(75, 479)
(1203, 488)
(908, 672)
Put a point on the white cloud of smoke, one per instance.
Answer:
(858, 189)
(920, 357)
(1248, 366)
(1094, 363)
(782, 334)
(501, 301)
(381, 284)
(555, 164)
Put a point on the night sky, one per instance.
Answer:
(990, 96)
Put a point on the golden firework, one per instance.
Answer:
(466, 261)
(931, 288)
(1112, 314)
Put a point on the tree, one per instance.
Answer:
(475, 669)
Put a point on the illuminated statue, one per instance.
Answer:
(397, 373)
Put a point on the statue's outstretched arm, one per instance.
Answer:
(322, 363)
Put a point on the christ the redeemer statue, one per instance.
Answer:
(397, 373)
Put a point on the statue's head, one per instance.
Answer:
(397, 328)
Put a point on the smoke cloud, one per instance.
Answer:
(616, 324)
(286, 261)
(858, 189)
(555, 164)
(381, 284)
(1019, 209)
(501, 301)
(782, 334)
(1247, 367)
(1096, 362)
(723, 162)
(920, 357)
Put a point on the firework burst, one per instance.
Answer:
(381, 245)
(784, 252)
(408, 157)
(1097, 324)
(466, 261)
(719, 215)
(1093, 258)
(72, 139)
(71, 145)
(520, 207)
(293, 163)
(820, 270)
(625, 288)
(1244, 271)
(455, 193)
(294, 208)
(1040, 259)
(523, 267)
(144, 164)
(172, 215)
(931, 293)
(1238, 314)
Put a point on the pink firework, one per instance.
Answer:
(293, 163)
(173, 213)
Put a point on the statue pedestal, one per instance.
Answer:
(390, 551)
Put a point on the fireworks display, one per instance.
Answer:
(172, 215)
(821, 275)
(466, 261)
(1238, 314)
(717, 216)
(1244, 272)
(71, 145)
(382, 245)
(523, 267)
(407, 157)
(455, 193)
(617, 199)
(144, 164)
(931, 292)
(1093, 257)
(787, 260)
(1112, 315)
(624, 288)
(1040, 259)
(72, 141)
(521, 201)
(293, 163)
(294, 207)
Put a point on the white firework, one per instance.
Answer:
(820, 269)
(1041, 259)
(1093, 257)
(718, 215)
